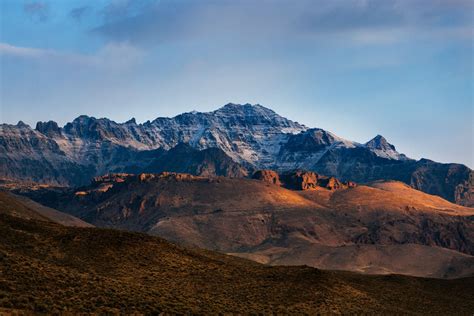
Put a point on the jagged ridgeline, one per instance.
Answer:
(232, 141)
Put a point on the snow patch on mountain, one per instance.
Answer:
(382, 148)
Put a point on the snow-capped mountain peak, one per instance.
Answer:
(382, 148)
(379, 142)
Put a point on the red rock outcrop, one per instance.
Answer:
(112, 177)
(143, 177)
(269, 176)
(332, 183)
(302, 180)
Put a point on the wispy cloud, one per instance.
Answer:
(27, 52)
(37, 10)
(111, 56)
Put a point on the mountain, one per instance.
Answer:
(48, 268)
(26, 154)
(251, 136)
(453, 182)
(386, 227)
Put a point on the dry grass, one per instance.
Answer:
(48, 268)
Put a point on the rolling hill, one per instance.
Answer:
(47, 268)
(21, 206)
(386, 227)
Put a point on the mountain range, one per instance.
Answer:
(234, 141)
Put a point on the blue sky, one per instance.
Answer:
(403, 69)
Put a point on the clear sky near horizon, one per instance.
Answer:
(402, 69)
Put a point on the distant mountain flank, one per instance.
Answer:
(232, 141)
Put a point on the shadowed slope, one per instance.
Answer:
(23, 207)
(107, 271)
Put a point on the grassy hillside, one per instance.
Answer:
(45, 267)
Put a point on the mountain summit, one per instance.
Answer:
(382, 148)
(380, 143)
(250, 135)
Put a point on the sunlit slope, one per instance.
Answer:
(314, 227)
